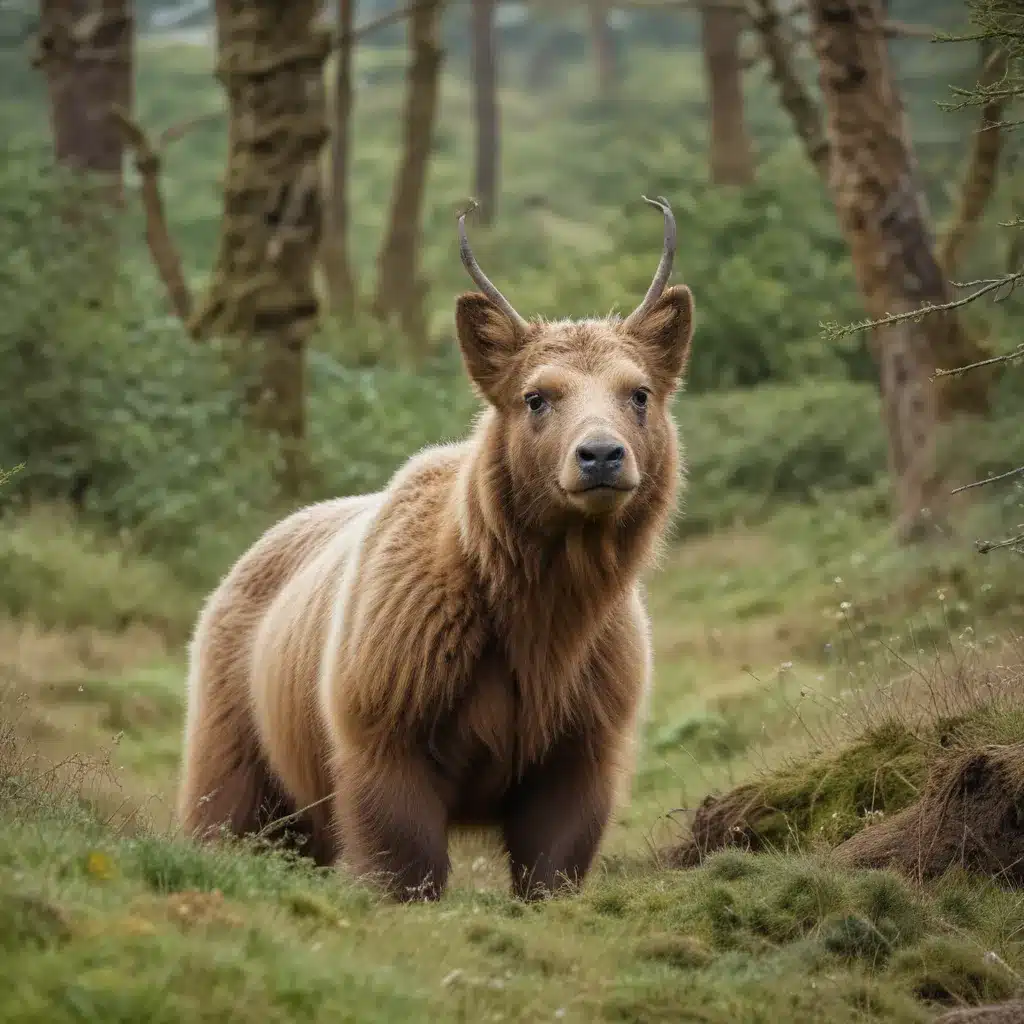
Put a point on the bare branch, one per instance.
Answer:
(1008, 357)
(1016, 543)
(834, 330)
(990, 480)
(979, 180)
(158, 235)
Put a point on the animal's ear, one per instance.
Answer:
(665, 329)
(488, 339)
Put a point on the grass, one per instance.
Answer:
(105, 915)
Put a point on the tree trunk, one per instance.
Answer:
(399, 289)
(270, 58)
(795, 97)
(603, 43)
(85, 53)
(337, 267)
(982, 164)
(732, 160)
(485, 95)
(872, 176)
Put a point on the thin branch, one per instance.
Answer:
(990, 480)
(158, 236)
(391, 18)
(1017, 353)
(982, 168)
(834, 330)
(985, 546)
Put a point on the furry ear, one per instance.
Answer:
(666, 329)
(488, 339)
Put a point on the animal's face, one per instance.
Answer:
(581, 407)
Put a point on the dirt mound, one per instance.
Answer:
(1001, 1013)
(970, 813)
(825, 798)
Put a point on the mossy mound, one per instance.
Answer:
(919, 799)
(970, 815)
(828, 796)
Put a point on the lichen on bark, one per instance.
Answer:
(270, 60)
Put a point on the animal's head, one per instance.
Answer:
(580, 409)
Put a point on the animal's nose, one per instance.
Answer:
(600, 459)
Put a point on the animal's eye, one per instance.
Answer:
(640, 397)
(535, 401)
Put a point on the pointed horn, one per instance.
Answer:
(480, 279)
(668, 252)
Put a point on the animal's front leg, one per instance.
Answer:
(555, 820)
(392, 822)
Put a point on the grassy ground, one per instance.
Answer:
(767, 649)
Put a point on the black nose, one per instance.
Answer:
(600, 460)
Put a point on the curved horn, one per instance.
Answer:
(668, 252)
(480, 279)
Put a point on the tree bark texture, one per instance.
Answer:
(879, 207)
(602, 42)
(270, 59)
(732, 158)
(484, 60)
(399, 288)
(337, 266)
(982, 165)
(85, 51)
(794, 96)
(872, 176)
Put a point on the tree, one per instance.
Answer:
(874, 185)
(996, 23)
(778, 37)
(602, 42)
(484, 62)
(983, 160)
(399, 288)
(270, 57)
(732, 160)
(337, 267)
(84, 50)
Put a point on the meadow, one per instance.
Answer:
(799, 652)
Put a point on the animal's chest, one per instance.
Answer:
(478, 748)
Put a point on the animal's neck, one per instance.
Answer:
(550, 591)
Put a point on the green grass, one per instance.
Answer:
(103, 924)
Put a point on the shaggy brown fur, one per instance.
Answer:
(470, 645)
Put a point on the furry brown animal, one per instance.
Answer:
(469, 645)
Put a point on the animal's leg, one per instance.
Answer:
(555, 819)
(226, 783)
(392, 822)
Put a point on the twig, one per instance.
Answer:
(835, 331)
(158, 235)
(1007, 357)
(985, 546)
(391, 18)
(176, 131)
(991, 480)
